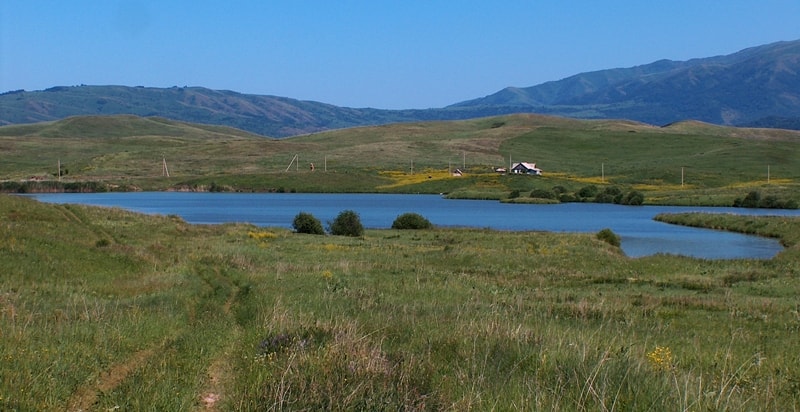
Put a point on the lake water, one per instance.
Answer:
(641, 235)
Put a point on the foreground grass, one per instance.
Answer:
(104, 308)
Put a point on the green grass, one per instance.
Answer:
(102, 308)
(684, 163)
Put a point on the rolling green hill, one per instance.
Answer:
(684, 162)
(756, 87)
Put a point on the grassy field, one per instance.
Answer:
(684, 163)
(102, 309)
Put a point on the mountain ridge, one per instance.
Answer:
(715, 89)
(758, 87)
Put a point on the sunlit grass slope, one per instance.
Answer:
(103, 309)
(687, 162)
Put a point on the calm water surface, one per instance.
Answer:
(641, 235)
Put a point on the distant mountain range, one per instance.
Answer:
(759, 85)
(756, 87)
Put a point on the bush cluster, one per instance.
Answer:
(591, 193)
(51, 186)
(348, 223)
(754, 200)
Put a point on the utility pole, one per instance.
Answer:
(297, 167)
(164, 170)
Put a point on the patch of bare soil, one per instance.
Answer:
(85, 397)
(220, 370)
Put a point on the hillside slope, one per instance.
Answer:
(756, 86)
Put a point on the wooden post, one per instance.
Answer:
(290, 164)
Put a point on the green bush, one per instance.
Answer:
(347, 223)
(307, 223)
(603, 197)
(754, 200)
(411, 221)
(633, 198)
(588, 191)
(567, 198)
(750, 201)
(543, 194)
(608, 236)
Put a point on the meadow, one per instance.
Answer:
(103, 309)
(687, 163)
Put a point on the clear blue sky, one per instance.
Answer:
(371, 53)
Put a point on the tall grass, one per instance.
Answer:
(169, 316)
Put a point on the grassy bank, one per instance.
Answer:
(104, 308)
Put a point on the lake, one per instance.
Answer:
(640, 234)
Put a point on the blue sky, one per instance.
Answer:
(372, 53)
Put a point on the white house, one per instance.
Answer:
(526, 168)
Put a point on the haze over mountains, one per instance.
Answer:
(759, 86)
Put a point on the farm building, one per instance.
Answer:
(526, 168)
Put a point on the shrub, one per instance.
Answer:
(608, 236)
(604, 198)
(770, 202)
(754, 200)
(588, 191)
(347, 223)
(514, 194)
(411, 221)
(750, 201)
(610, 194)
(633, 198)
(542, 194)
(567, 198)
(307, 223)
